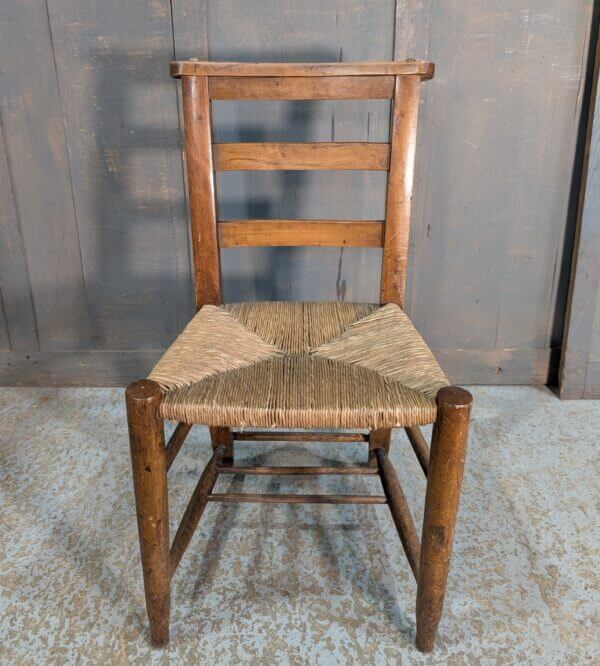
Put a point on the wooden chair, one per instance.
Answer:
(299, 365)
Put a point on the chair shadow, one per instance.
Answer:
(375, 589)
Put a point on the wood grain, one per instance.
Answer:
(294, 233)
(212, 68)
(412, 35)
(297, 471)
(378, 439)
(149, 464)
(399, 191)
(32, 112)
(176, 442)
(195, 509)
(286, 498)
(15, 289)
(578, 378)
(444, 479)
(301, 87)
(419, 445)
(126, 176)
(301, 156)
(220, 436)
(399, 509)
(201, 190)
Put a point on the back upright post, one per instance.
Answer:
(203, 208)
(201, 185)
(399, 189)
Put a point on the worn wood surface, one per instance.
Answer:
(195, 508)
(201, 190)
(220, 436)
(399, 509)
(312, 470)
(93, 150)
(288, 498)
(292, 233)
(378, 439)
(444, 479)
(124, 150)
(580, 359)
(420, 447)
(176, 442)
(301, 156)
(241, 69)
(405, 112)
(19, 328)
(149, 463)
(511, 191)
(298, 87)
(32, 112)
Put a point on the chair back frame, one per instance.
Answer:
(203, 82)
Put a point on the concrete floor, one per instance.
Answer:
(298, 584)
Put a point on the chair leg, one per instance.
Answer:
(147, 441)
(446, 463)
(220, 436)
(378, 439)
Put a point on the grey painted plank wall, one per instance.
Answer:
(580, 362)
(34, 134)
(93, 175)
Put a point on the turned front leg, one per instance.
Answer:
(444, 477)
(146, 437)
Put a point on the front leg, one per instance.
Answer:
(149, 463)
(444, 477)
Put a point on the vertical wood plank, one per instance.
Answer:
(581, 344)
(496, 197)
(399, 191)
(4, 337)
(15, 289)
(190, 29)
(33, 123)
(120, 115)
(201, 188)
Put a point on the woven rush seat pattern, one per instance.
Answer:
(302, 365)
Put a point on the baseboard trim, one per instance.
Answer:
(76, 368)
(529, 366)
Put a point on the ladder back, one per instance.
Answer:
(206, 81)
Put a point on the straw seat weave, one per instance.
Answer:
(299, 365)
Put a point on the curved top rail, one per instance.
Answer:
(199, 68)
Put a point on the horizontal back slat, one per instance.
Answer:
(207, 81)
(301, 87)
(301, 156)
(295, 233)
(211, 68)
